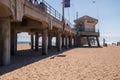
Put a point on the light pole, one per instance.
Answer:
(63, 20)
(97, 12)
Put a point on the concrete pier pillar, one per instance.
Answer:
(98, 42)
(88, 41)
(44, 42)
(13, 42)
(59, 42)
(32, 41)
(36, 41)
(5, 41)
(75, 41)
(70, 41)
(66, 41)
(63, 41)
(80, 41)
(49, 42)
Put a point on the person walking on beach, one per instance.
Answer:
(103, 40)
(104, 43)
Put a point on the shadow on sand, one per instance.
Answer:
(26, 57)
(90, 47)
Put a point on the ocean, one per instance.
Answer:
(24, 38)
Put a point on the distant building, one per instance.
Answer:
(85, 27)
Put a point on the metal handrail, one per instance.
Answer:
(54, 13)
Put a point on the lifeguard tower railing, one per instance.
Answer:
(44, 6)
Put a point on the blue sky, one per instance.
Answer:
(106, 11)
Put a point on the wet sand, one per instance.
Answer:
(74, 64)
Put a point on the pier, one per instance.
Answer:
(44, 21)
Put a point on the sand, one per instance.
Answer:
(23, 46)
(74, 64)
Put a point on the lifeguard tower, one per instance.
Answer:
(85, 27)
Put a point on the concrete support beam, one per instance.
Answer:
(49, 42)
(13, 42)
(66, 41)
(88, 41)
(63, 41)
(5, 41)
(32, 41)
(75, 41)
(59, 42)
(44, 42)
(36, 41)
(70, 41)
(98, 42)
(78, 41)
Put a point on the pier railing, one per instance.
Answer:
(44, 6)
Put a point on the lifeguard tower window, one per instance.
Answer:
(80, 28)
(90, 21)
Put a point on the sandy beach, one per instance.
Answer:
(74, 64)
(23, 46)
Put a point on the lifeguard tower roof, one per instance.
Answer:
(84, 18)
